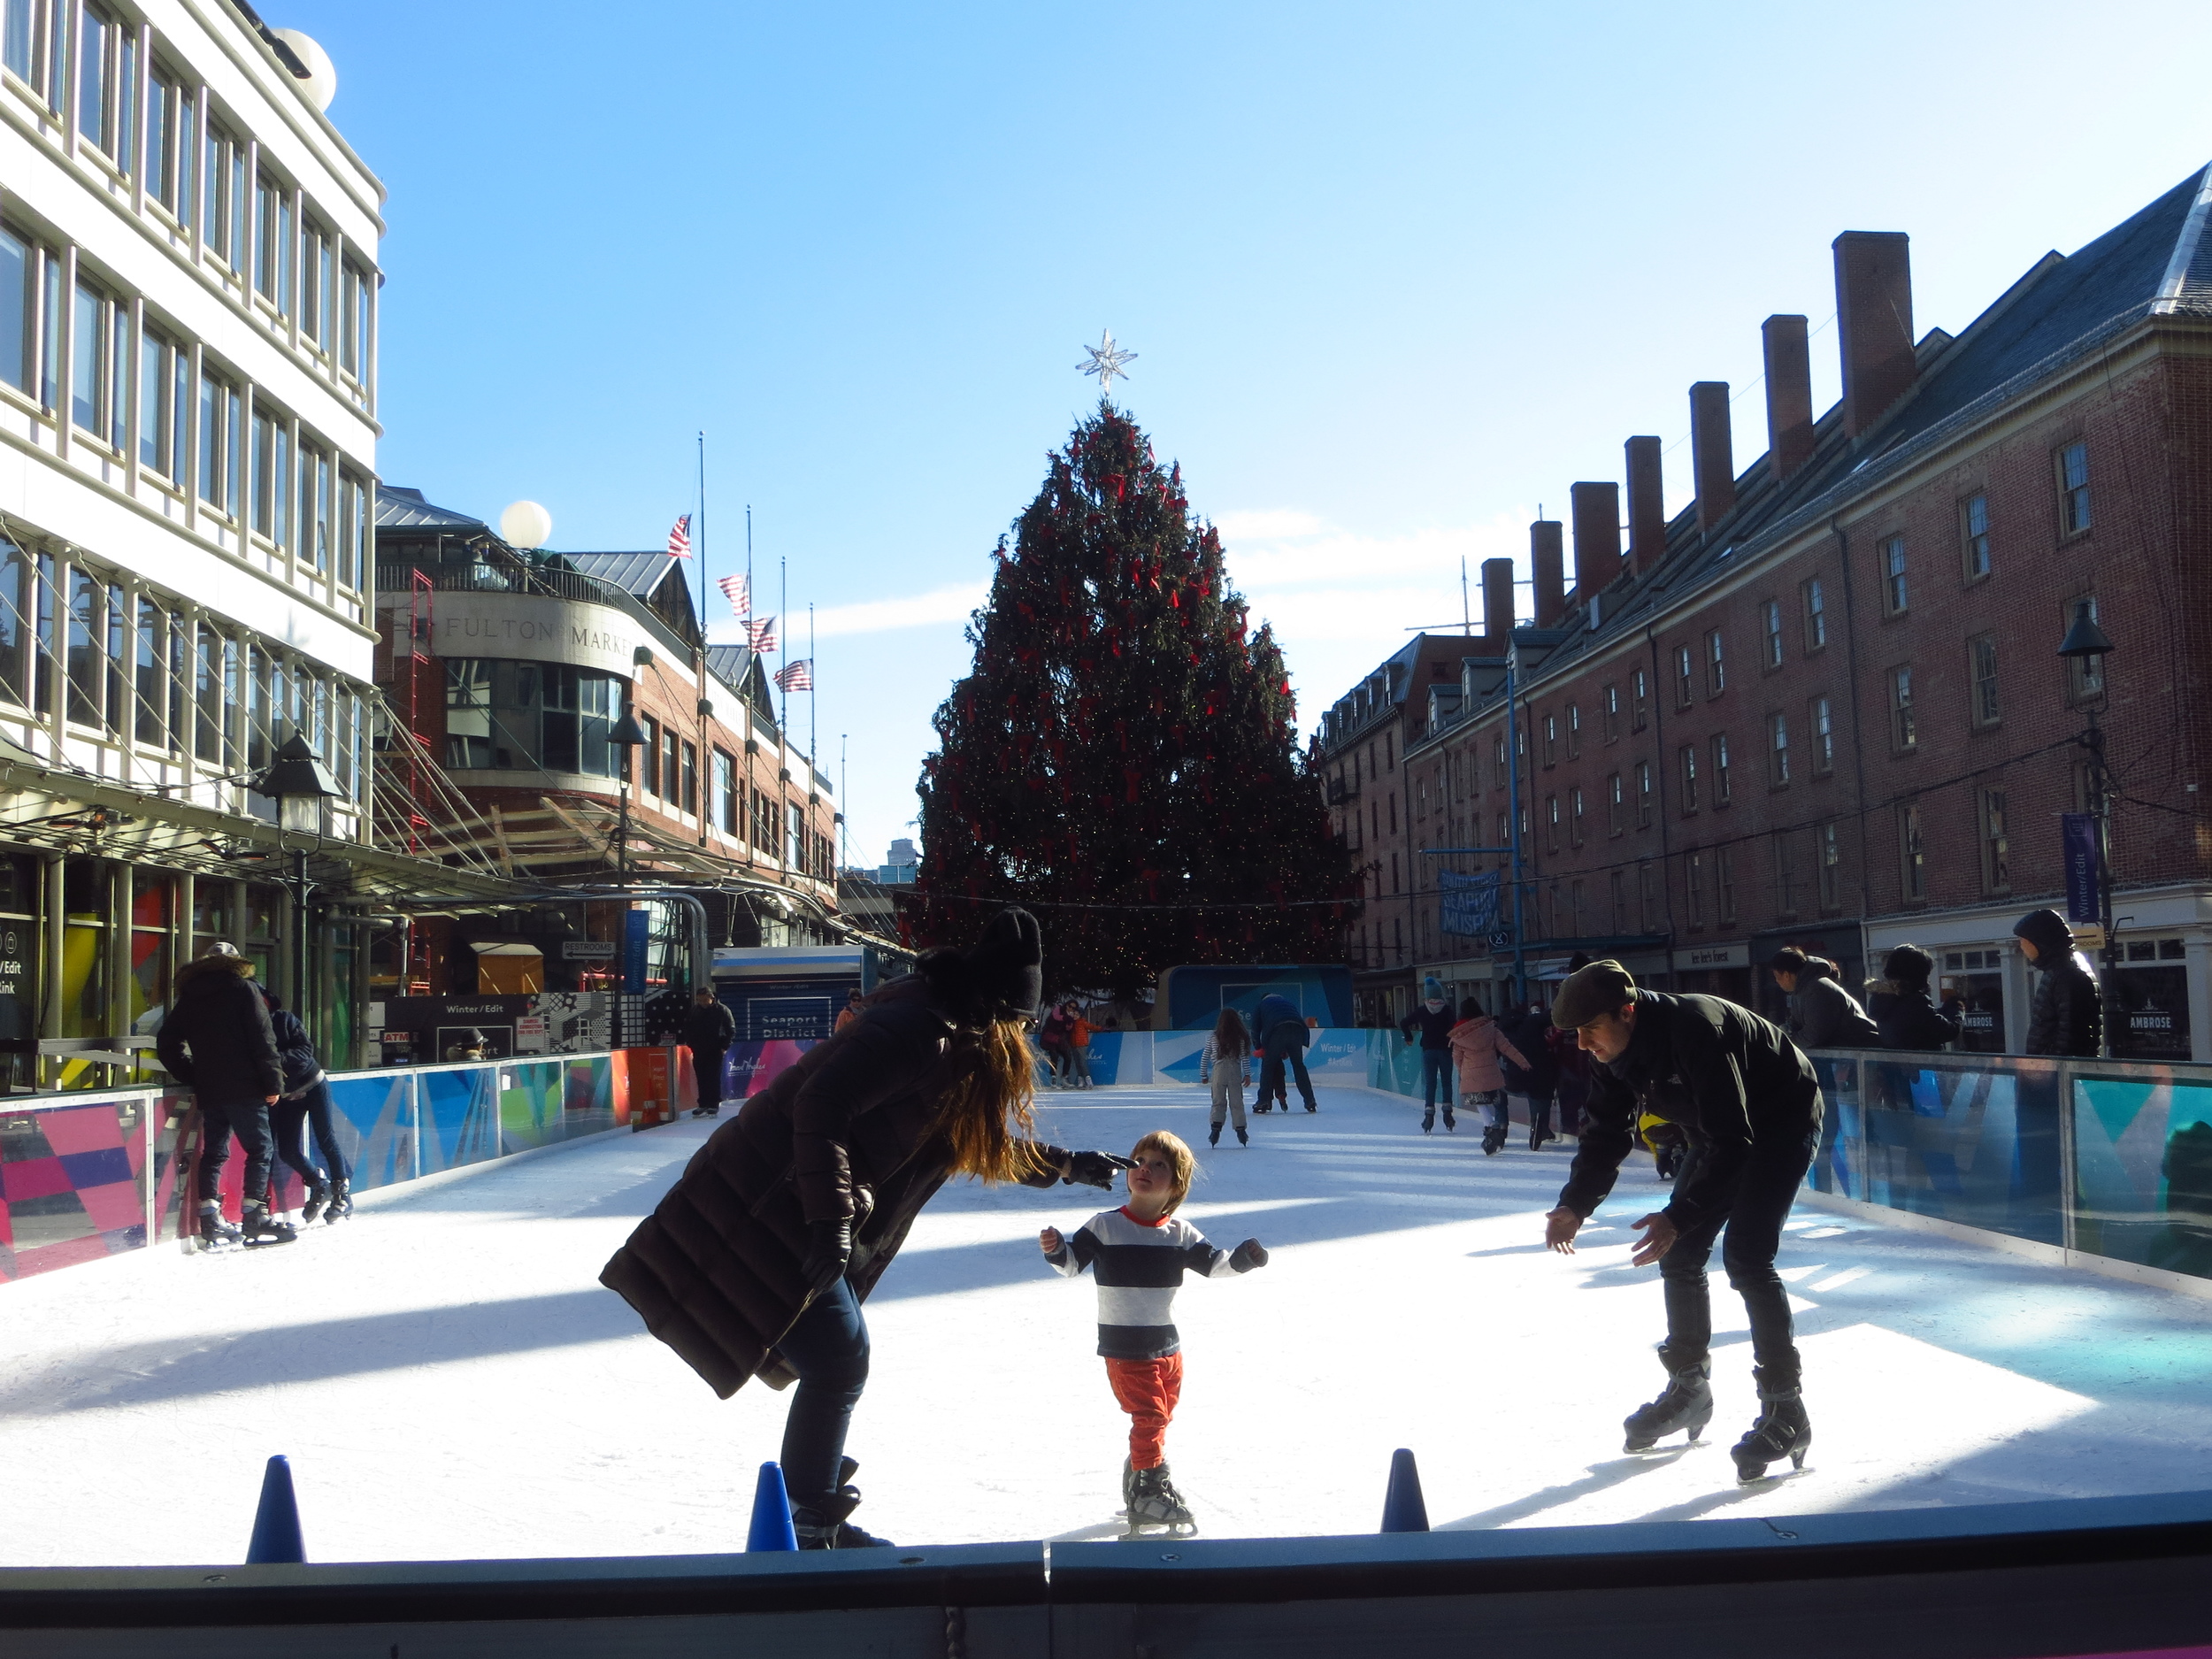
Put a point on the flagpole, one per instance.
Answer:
(706, 741)
(783, 610)
(810, 722)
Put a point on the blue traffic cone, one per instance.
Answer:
(276, 1524)
(1404, 1511)
(772, 1513)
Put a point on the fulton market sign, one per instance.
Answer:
(538, 629)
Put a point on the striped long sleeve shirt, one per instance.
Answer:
(1138, 1266)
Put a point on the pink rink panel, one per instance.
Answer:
(80, 1128)
(114, 1206)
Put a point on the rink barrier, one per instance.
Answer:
(2068, 1577)
(101, 1172)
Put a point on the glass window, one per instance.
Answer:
(222, 412)
(1683, 675)
(1816, 616)
(1893, 592)
(726, 793)
(149, 666)
(691, 778)
(468, 713)
(1912, 854)
(84, 986)
(652, 747)
(1643, 795)
(1612, 713)
(1574, 730)
(1720, 770)
(1689, 777)
(1828, 845)
(1575, 814)
(1823, 736)
(1641, 699)
(1786, 877)
(1977, 524)
(1903, 734)
(2073, 479)
(1617, 801)
(1982, 657)
(315, 260)
(795, 833)
(16, 578)
(1996, 855)
(1772, 612)
(88, 630)
(207, 696)
(19, 311)
(1716, 670)
(1694, 890)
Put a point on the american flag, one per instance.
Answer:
(797, 676)
(761, 635)
(739, 591)
(680, 538)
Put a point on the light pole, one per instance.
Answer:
(299, 783)
(625, 736)
(2085, 644)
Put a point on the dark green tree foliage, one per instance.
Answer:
(1124, 741)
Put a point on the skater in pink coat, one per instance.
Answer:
(1476, 1043)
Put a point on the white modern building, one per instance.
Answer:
(188, 455)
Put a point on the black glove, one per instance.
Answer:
(829, 1246)
(1247, 1256)
(1095, 1169)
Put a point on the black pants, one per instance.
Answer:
(289, 1121)
(828, 1347)
(249, 1122)
(706, 1066)
(1754, 1217)
(1271, 1073)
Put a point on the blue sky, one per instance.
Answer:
(1396, 274)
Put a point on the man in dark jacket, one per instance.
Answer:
(2068, 1015)
(1538, 1081)
(1283, 1038)
(217, 1040)
(1746, 1101)
(1904, 1011)
(1432, 1022)
(1827, 1016)
(709, 1029)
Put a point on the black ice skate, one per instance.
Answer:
(1686, 1403)
(341, 1202)
(1128, 1485)
(1213, 1134)
(1493, 1140)
(1428, 1122)
(821, 1523)
(1451, 1123)
(259, 1227)
(317, 1200)
(1782, 1431)
(1155, 1502)
(1243, 1139)
(215, 1232)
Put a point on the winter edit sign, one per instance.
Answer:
(2078, 832)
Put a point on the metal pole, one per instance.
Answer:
(2101, 804)
(300, 1002)
(1513, 811)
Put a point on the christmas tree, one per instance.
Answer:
(1121, 756)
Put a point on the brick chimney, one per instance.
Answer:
(1873, 323)
(1546, 554)
(1596, 511)
(1497, 600)
(1712, 452)
(1646, 505)
(1789, 395)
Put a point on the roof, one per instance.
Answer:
(639, 574)
(401, 509)
(2156, 262)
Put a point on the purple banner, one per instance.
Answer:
(2079, 831)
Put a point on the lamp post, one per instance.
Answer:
(627, 735)
(2085, 644)
(298, 782)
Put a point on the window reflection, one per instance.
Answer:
(536, 717)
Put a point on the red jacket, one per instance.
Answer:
(1476, 1044)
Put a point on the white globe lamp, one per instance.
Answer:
(523, 524)
(321, 84)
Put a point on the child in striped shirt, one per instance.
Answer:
(1139, 1254)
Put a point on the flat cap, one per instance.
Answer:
(1586, 993)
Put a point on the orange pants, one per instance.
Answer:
(1147, 1390)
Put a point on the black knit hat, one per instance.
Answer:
(999, 977)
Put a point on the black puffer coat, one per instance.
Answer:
(1828, 1015)
(1908, 1016)
(710, 1029)
(2067, 1017)
(216, 1039)
(849, 1133)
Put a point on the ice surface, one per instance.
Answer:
(450, 1380)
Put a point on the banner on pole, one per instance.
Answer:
(1470, 903)
(2079, 837)
(636, 929)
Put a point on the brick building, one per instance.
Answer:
(520, 664)
(1823, 704)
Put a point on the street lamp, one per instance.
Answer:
(2085, 644)
(298, 783)
(627, 735)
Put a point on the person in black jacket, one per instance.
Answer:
(217, 1040)
(306, 1100)
(1433, 1021)
(709, 1029)
(2068, 1014)
(1283, 1036)
(1904, 1011)
(1826, 1016)
(1746, 1100)
(1538, 1081)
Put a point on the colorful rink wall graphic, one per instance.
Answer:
(93, 1174)
(2109, 1159)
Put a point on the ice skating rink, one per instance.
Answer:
(450, 1380)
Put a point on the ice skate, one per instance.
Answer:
(1782, 1429)
(1686, 1403)
(1428, 1122)
(259, 1227)
(1493, 1140)
(215, 1232)
(1155, 1502)
(1128, 1485)
(1451, 1123)
(823, 1523)
(341, 1202)
(1243, 1139)
(1213, 1134)
(317, 1199)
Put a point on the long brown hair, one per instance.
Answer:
(987, 1110)
(1229, 1036)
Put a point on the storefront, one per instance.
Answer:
(1975, 979)
(2148, 1000)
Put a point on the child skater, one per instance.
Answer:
(1227, 1064)
(1139, 1254)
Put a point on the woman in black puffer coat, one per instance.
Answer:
(306, 1101)
(757, 1260)
(1903, 1008)
(2068, 1014)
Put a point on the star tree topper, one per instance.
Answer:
(1106, 359)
